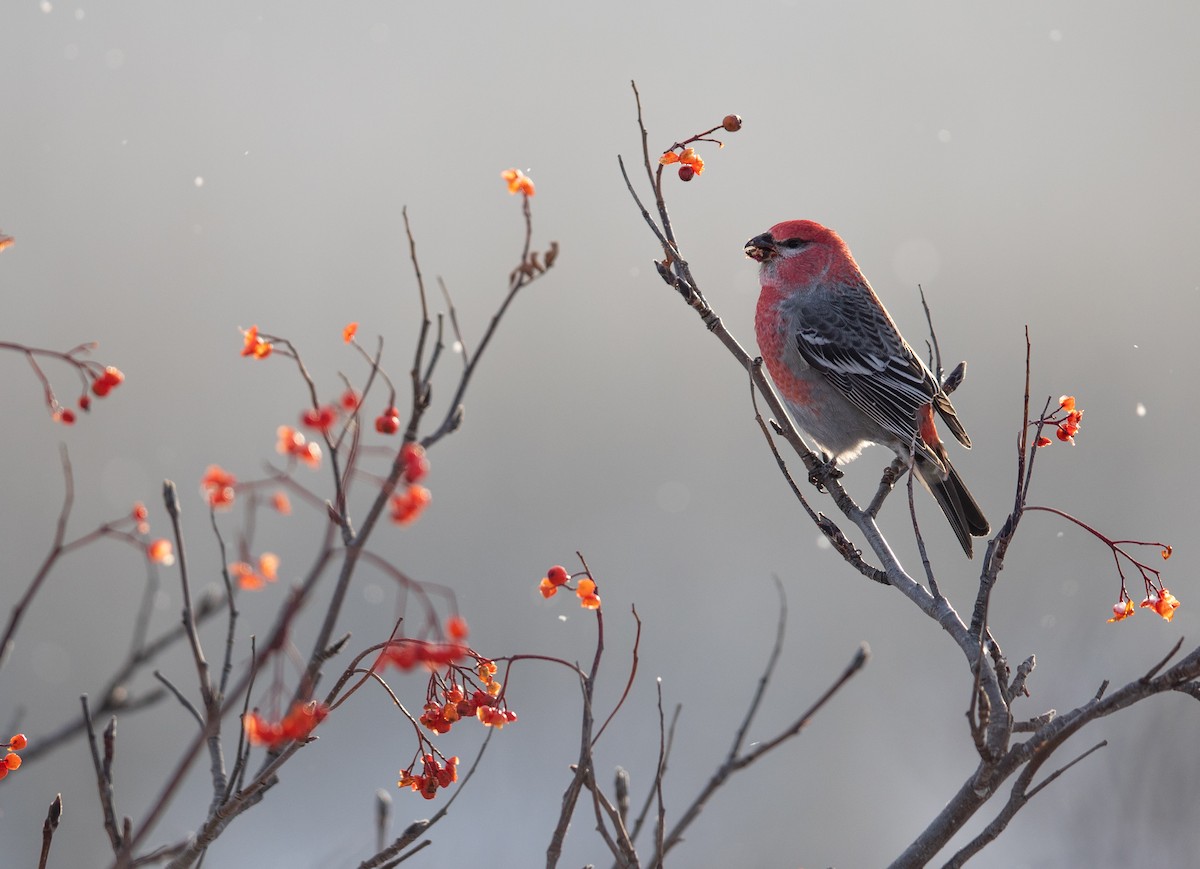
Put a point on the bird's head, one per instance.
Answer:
(800, 247)
(791, 238)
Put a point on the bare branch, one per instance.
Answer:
(1017, 800)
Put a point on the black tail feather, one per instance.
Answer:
(965, 515)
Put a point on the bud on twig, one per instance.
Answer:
(171, 499)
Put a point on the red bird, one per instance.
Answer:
(845, 373)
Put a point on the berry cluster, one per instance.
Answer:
(1160, 600)
(320, 419)
(690, 163)
(518, 182)
(102, 384)
(407, 653)
(11, 759)
(252, 579)
(295, 445)
(255, 345)
(1066, 419)
(218, 487)
(432, 777)
(408, 505)
(297, 724)
(558, 577)
(456, 705)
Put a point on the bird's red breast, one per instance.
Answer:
(772, 334)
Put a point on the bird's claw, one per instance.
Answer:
(824, 472)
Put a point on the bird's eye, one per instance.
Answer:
(793, 243)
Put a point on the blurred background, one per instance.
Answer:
(172, 172)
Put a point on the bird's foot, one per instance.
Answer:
(891, 474)
(824, 472)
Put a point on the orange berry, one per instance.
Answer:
(12, 761)
(281, 503)
(456, 628)
(161, 552)
(407, 505)
(18, 741)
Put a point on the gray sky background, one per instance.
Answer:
(1026, 163)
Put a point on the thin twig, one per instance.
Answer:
(49, 827)
(56, 549)
(104, 783)
(231, 604)
(660, 828)
(211, 720)
(418, 828)
(735, 761)
(183, 701)
(912, 512)
(653, 790)
(583, 765)
(458, 336)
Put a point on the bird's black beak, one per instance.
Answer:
(761, 247)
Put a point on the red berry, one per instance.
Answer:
(322, 419)
(85, 402)
(557, 574)
(388, 422)
(101, 386)
(416, 466)
(686, 173)
(732, 123)
(67, 416)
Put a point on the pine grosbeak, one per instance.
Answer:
(846, 375)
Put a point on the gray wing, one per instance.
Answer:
(857, 347)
